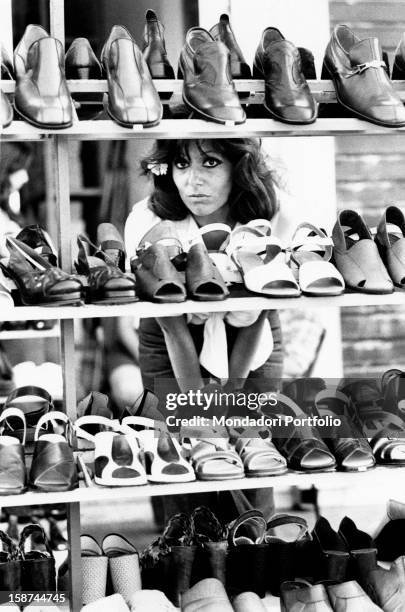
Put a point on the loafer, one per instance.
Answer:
(223, 32)
(398, 67)
(299, 595)
(287, 95)
(82, 63)
(154, 48)
(390, 240)
(6, 110)
(207, 595)
(350, 597)
(41, 95)
(132, 97)
(38, 564)
(208, 89)
(356, 255)
(361, 82)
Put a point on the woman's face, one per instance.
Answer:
(203, 178)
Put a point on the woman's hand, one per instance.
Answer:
(182, 353)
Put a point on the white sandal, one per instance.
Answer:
(220, 257)
(110, 447)
(311, 251)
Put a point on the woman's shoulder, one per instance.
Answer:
(139, 221)
(142, 210)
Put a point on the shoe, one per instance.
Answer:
(350, 597)
(7, 383)
(387, 587)
(34, 403)
(6, 301)
(6, 110)
(10, 564)
(106, 283)
(390, 240)
(39, 240)
(247, 554)
(53, 466)
(208, 595)
(41, 96)
(390, 540)
(212, 458)
(117, 460)
(154, 48)
(38, 563)
(146, 405)
(132, 97)
(360, 78)
(287, 95)
(393, 390)
(56, 537)
(6, 65)
(123, 562)
(222, 32)
(259, 455)
(39, 283)
(331, 559)
(13, 473)
(356, 256)
(114, 602)
(398, 68)
(300, 595)
(212, 545)
(157, 279)
(203, 279)
(363, 551)
(308, 64)
(311, 251)
(82, 63)
(151, 600)
(110, 242)
(208, 89)
(261, 261)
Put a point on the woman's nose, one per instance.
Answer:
(194, 176)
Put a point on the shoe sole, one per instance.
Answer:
(356, 112)
(47, 126)
(131, 125)
(209, 118)
(369, 291)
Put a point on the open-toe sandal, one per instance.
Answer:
(212, 458)
(216, 238)
(203, 279)
(13, 474)
(34, 403)
(258, 453)
(311, 251)
(118, 459)
(390, 240)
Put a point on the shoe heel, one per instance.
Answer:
(325, 75)
(256, 73)
(180, 73)
(83, 72)
(397, 73)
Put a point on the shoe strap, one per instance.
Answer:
(27, 532)
(29, 390)
(53, 417)
(256, 519)
(308, 237)
(93, 420)
(12, 411)
(360, 68)
(278, 520)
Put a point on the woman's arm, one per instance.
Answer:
(244, 349)
(182, 353)
(123, 330)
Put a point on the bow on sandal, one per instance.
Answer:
(311, 251)
(261, 260)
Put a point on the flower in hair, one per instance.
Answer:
(157, 169)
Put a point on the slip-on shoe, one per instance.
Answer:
(390, 240)
(223, 32)
(154, 48)
(132, 97)
(287, 95)
(41, 93)
(82, 63)
(6, 110)
(208, 89)
(361, 81)
(302, 596)
(398, 68)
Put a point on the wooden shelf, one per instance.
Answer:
(195, 128)
(29, 334)
(383, 479)
(149, 309)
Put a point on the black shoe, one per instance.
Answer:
(154, 48)
(38, 563)
(223, 32)
(82, 63)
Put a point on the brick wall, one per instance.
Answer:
(370, 175)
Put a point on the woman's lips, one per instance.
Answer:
(198, 196)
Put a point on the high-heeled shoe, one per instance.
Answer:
(39, 283)
(331, 557)
(38, 564)
(106, 282)
(111, 243)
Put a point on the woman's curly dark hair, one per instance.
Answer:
(253, 193)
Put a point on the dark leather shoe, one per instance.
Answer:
(363, 552)
(38, 563)
(287, 95)
(38, 239)
(154, 48)
(398, 68)
(82, 63)
(331, 557)
(390, 240)
(208, 89)
(41, 94)
(6, 110)
(203, 279)
(223, 32)
(361, 82)
(132, 97)
(6, 65)
(10, 564)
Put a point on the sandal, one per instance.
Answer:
(301, 444)
(34, 402)
(390, 240)
(39, 283)
(111, 243)
(212, 458)
(13, 476)
(203, 279)
(106, 283)
(118, 459)
(88, 426)
(53, 467)
(261, 261)
(356, 256)
(164, 457)
(219, 256)
(157, 278)
(311, 250)
(258, 453)
(6, 301)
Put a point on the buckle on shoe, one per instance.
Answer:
(360, 68)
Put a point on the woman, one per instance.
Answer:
(197, 183)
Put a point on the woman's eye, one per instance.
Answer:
(211, 162)
(181, 164)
